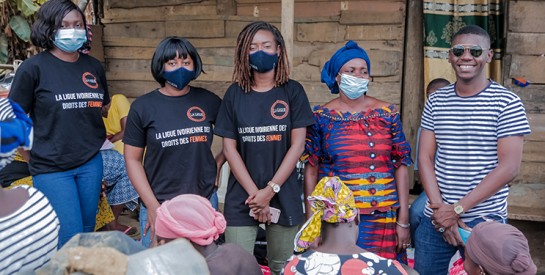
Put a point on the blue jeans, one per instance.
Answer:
(214, 200)
(144, 240)
(74, 196)
(432, 253)
(416, 213)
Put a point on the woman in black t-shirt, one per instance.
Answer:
(174, 124)
(263, 120)
(63, 92)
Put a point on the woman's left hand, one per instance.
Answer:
(260, 199)
(403, 238)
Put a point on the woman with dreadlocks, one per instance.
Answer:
(263, 120)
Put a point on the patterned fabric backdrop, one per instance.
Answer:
(443, 18)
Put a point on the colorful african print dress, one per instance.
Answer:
(363, 149)
(366, 263)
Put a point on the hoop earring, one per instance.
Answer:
(482, 270)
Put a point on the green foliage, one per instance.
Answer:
(3, 49)
(27, 7)
(21, 27)
(16, 16)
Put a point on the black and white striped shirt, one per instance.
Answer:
(29, 236)
(467, 130)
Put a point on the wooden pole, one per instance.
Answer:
(413, 76)
(287, 27)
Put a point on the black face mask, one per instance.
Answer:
(179, 78)
(263, 62)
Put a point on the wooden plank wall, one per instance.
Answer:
(133, 29)
(525, 57)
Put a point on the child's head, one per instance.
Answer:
(435, 85)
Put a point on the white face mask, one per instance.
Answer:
(353, 87)
(70, 40)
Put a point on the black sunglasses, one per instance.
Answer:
(459, 50)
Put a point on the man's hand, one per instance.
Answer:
(443, 215)
(452, 236)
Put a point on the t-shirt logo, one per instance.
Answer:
(89, 80)
(196, 114)
(279, 109)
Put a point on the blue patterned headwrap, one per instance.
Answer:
(350, 51)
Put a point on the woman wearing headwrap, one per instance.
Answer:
(335, 220)
(360, 139)
(193, 217)
(29, 227)
(499, 249)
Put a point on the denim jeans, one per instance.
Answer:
(214, 200)
(432, 253)
(416, 213)
(74, 196)
(144, 240)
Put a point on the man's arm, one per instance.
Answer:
(426, 165)
(509, 159)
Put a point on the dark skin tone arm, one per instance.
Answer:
(137, 175)
(241, 173)
(311, 179)
(119, 135)
(220, 160)
(259, 199)
(401, 175)
(509, 160)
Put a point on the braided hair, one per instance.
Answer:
(243, 74)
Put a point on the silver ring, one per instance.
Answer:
(406, 244)
(441, 229)
(432, 222)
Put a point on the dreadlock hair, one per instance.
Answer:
(243, 74)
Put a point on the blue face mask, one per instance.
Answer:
(353, 87)
(263, 62)
(70, 40)
(179, 78)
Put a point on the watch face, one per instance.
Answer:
(276, 188)
(458, 209)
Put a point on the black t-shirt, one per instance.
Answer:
(64, 100)
(177, 133)
(261, 123)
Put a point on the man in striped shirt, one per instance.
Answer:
(477, 127)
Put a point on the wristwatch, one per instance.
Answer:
(275, 187)
(458, 209)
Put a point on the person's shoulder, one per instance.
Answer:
(145, 99)
(378, 104)
(496, 90)
(205, 93)
(294, 85)
(35, 60)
